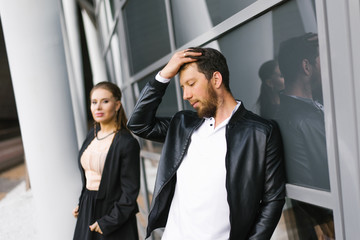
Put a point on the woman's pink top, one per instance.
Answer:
(93, 161)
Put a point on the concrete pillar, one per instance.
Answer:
(74, 66)
(35, 48)
(96, 59)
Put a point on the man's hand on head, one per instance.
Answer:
(177, 60)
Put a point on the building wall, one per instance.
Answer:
(138, 39)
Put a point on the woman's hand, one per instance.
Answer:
(95, 227)
(75, 211)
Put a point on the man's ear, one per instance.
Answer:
(306, 66)
(216, 79)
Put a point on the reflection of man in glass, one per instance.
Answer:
(271, 84)
(301, 120)
(301, 117)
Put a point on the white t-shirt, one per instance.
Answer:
(199, 209)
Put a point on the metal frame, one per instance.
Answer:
(144, 155)
(342, 31)
(330, 125)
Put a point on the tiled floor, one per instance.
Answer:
(17, 208)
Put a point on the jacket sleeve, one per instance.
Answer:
(274, 188)
(126, 206)
(143, 121)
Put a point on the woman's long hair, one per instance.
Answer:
(266, 102)
(121, 119)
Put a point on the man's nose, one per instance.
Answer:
(186, 94)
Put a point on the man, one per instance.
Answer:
(301, 121)
(220, 174)
(301, 117)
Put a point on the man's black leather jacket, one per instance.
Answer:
(254, 164)
(302, 127)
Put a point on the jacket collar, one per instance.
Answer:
(238, 114)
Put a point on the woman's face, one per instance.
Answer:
(104, 106)
(277, 80)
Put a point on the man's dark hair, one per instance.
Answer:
(210, 61)
(293, 51)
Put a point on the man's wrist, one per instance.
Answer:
(161, 79)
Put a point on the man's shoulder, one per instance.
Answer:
(297, 112)
(249, 119)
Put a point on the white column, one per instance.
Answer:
(38, 69)
(75, 65)
(96, 60)
(342, 116)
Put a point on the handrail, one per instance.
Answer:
(150, 155)
(146, 155)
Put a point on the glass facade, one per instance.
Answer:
(146, 32)
(212, 13)
(275, 71)
(168, 106)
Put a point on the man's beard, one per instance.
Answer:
(209, 107)
(316, 88)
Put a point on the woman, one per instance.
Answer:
(110, 170)
(272, 83)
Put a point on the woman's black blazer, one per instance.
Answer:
(120, 183)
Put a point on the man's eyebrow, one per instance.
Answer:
(191, 79)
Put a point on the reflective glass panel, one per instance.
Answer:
(304, 221)
(193, 18)
(168, 106)
(128, 100)
(275, 70)
(287, 88)
(220, 11)
(146, 31)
